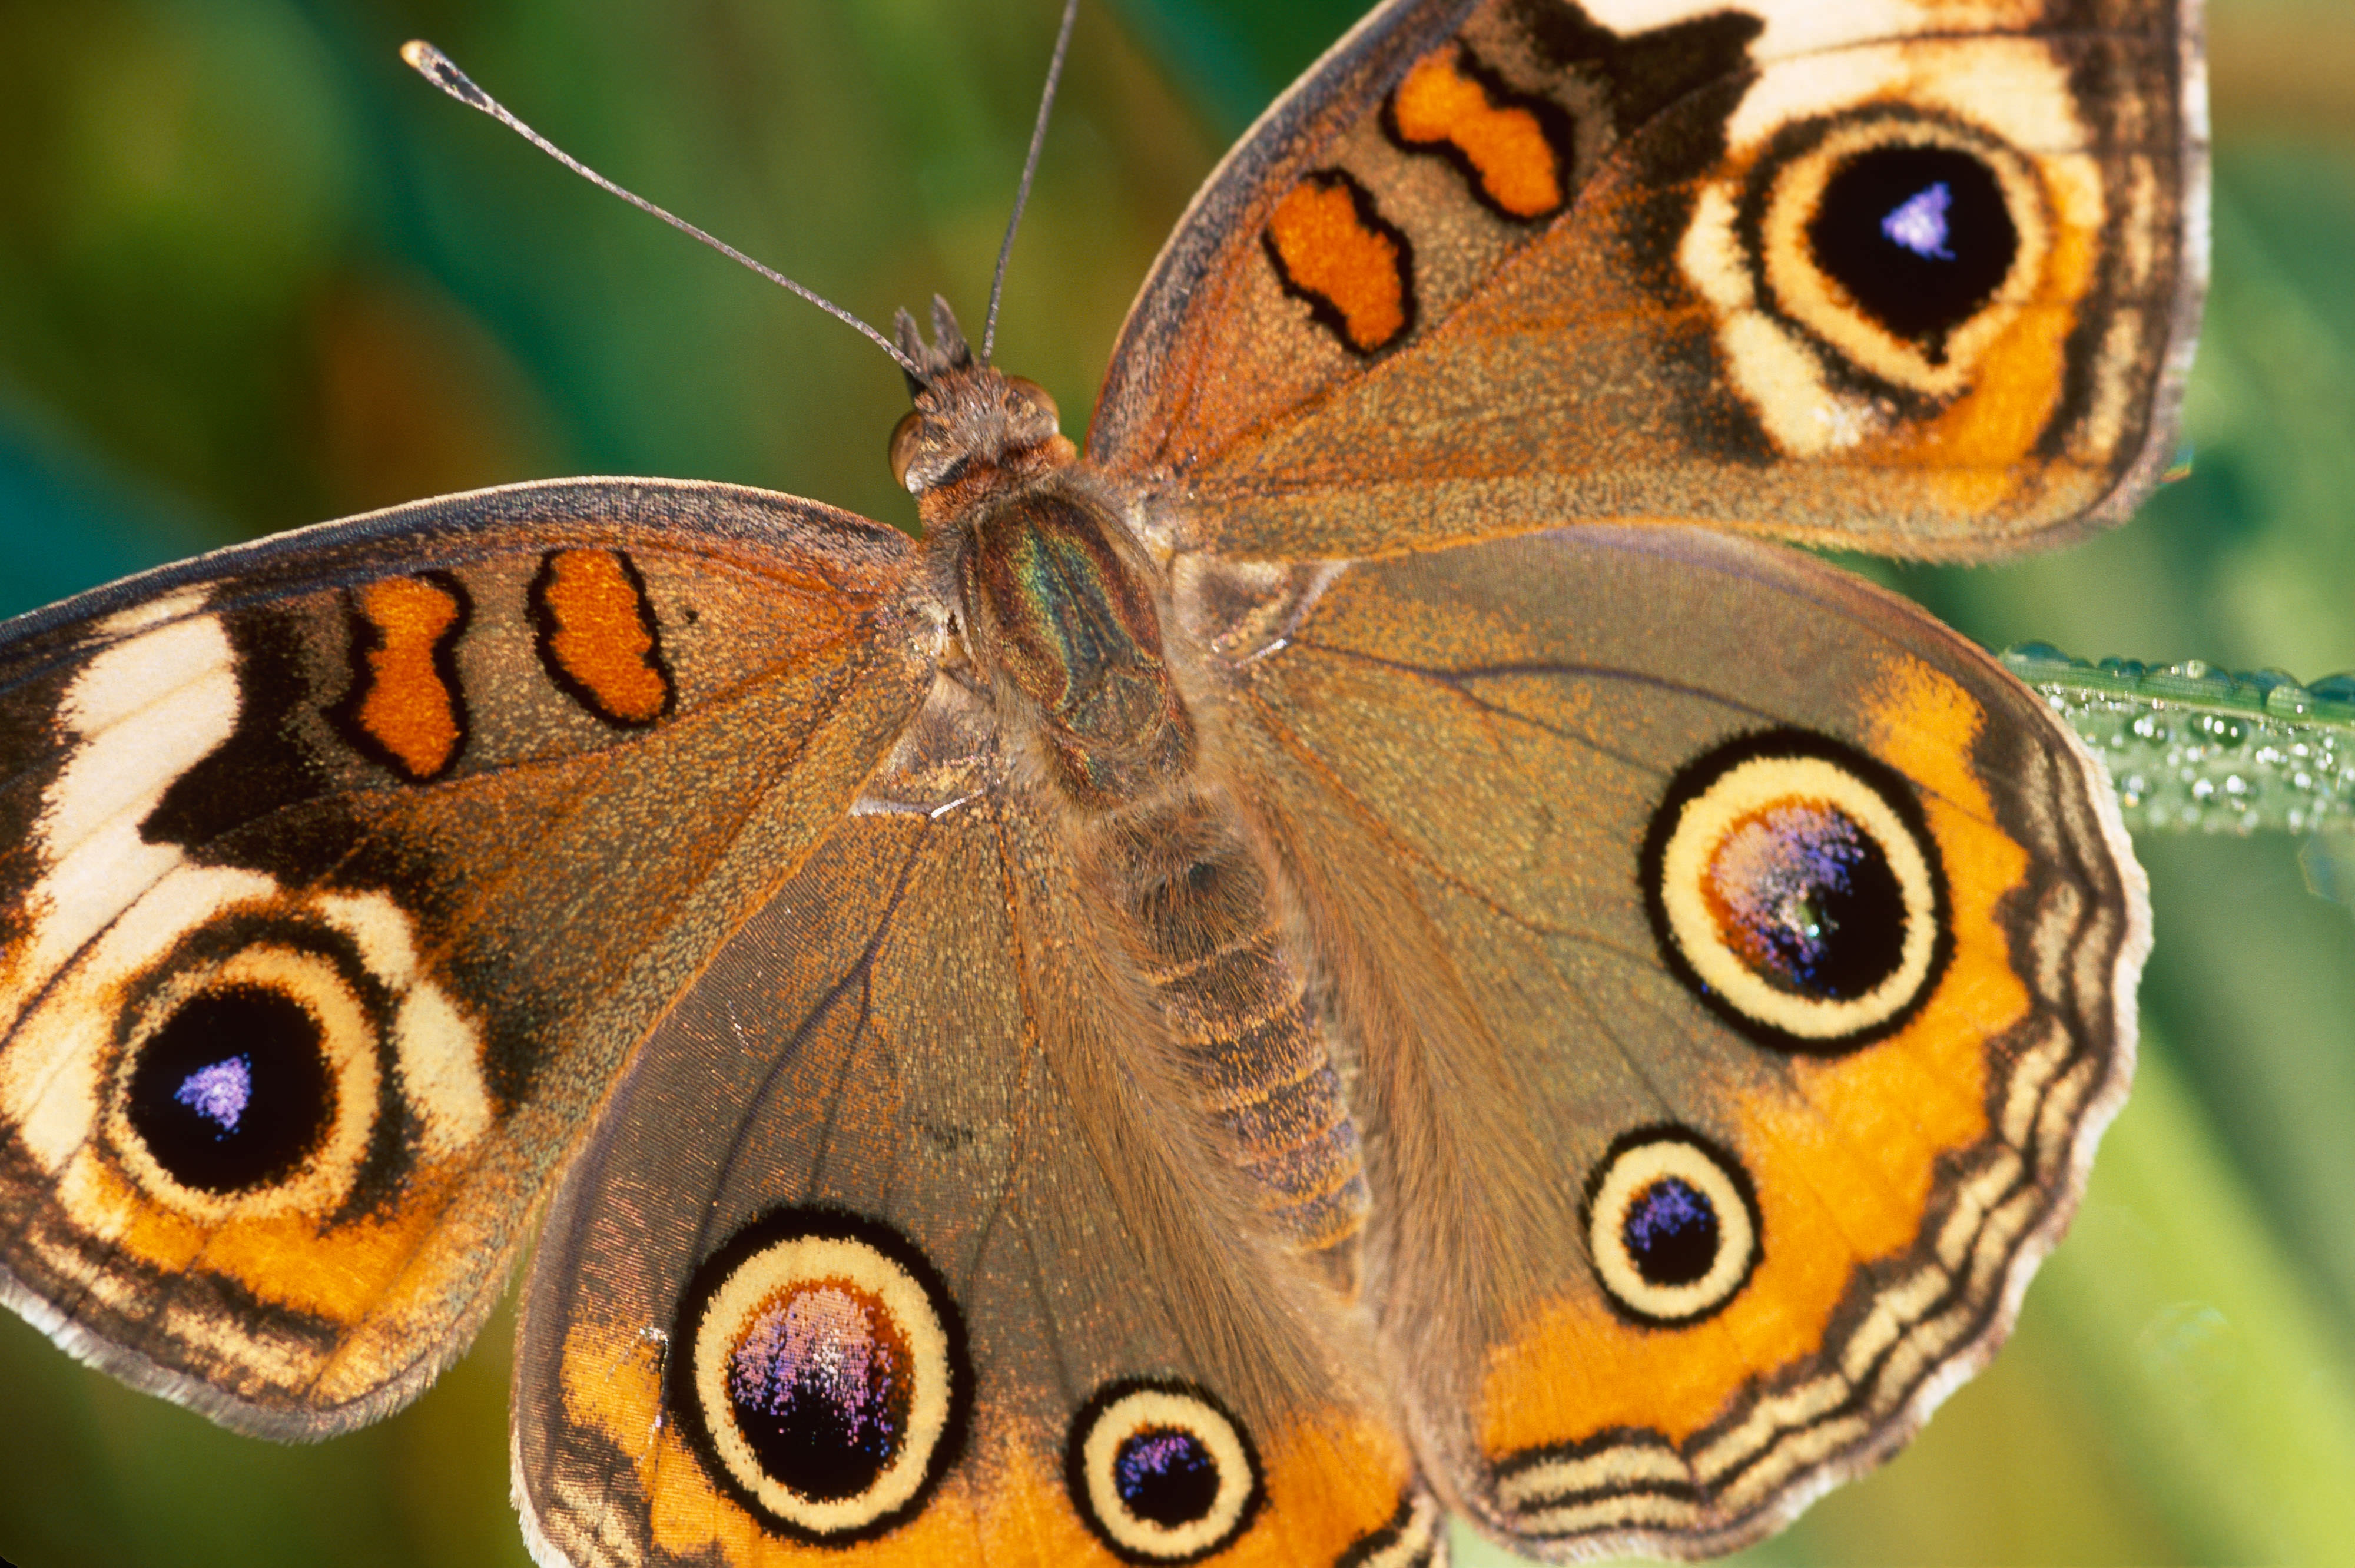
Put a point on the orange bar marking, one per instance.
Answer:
(1331, 249)
(408, 704)
(597, 636)
(1505, 148)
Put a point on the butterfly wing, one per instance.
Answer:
(346, 869)
(1870, 275)
(889, 1251)
(1741, 968)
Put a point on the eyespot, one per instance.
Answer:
(1162, 1472)
(903, 445)
(1672, 1224)
(248, 1083)
(824, 1382)
(1905, 242)
(1794, 887)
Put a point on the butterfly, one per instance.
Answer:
(1365, 949)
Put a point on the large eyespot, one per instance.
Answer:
(1161, 1472)
(822, 1374)
(1905, 242)
(1794, 885)
(1672, 1224)
(248, 1083)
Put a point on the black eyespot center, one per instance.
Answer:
(1920, 237)
(821, 1382)
(1797, 890)
(1161, 1471)
(233, 1091)
(1165, 1475)
(1672, 1232)
(1806, 896)
(1673, 1225)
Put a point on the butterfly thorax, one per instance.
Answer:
(1065, 618)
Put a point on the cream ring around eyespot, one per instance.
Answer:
(1161, 1409)
(1634, 1170)
(346, 1039)
(55, 1090)
(1801, 288)
(803, 1261)
(1750, 787)
(436, 1048)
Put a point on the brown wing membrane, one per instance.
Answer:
(889, 1250)
(1847, 274)
(1742, 968)
(347, 868)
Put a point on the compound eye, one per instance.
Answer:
(1036, 396)
(904, 437)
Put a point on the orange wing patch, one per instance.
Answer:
(1513, 149)
(1597, 1424)
(598, 637)
(1331, 248)
(1334, 1482)
(406, 708)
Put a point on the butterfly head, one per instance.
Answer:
(975, 432)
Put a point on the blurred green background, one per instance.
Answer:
(254, 274)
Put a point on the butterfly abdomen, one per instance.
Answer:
(1181, 877)
(1065, 613)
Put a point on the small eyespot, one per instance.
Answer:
(1036, 396)
(1161, 1472)
(1672, 1225)
(824, 1382)
(903, 446)
(1794, 887)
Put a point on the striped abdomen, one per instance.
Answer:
(1181, 871)
(1064, 614)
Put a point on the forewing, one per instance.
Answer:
(345, 870)
(1742, 967)
(1907, 277)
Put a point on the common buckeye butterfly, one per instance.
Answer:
(1364, 949)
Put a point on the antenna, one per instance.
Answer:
(1029, 171)
(436, 68)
